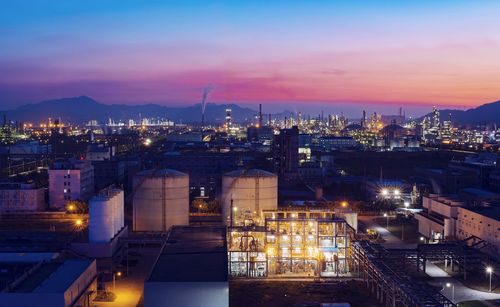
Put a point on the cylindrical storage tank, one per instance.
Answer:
(251, 190)
(101, 222)
(161, 200)
(121, 209)
(116, 196)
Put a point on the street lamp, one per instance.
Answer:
(489, 270)
(385, 192)
(118, 274)
(397, 192)
(452, 286)
(407, 205)
(422, 239)
(387, 223)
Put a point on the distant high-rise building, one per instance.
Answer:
(435, 117)
(229, 118)
(286, 153)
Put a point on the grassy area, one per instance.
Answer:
(290, 293)
(411, 234)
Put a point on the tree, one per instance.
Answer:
(199, 205)
(76, 206)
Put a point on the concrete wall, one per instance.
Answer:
(86, 282)
(192, 294)
(442, 206)
(20, 200)
(471, 223)
(427, 226)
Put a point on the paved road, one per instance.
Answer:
(440, 277)
(129, 289)
(462, 293)
(391, 241)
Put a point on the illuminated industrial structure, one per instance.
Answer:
(289, 242)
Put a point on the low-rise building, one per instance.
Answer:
(48, 283)
(336, 142)
(70, 180)
(437, 221)
(21, 197)
(482, 223)
(191, 270)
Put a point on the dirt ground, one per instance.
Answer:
(244, 293)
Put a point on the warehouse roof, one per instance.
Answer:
(193, 254)
(53, 277)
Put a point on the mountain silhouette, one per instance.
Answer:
(83, 109)
(488, 113)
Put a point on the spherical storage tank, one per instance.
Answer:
(161, 200)
(251, 190)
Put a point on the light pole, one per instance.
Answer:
(403, 230)
(448, 285)
(407, 205)
(387, 222)
(489, 270)
(114, 279)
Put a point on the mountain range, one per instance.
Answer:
(488, 113)
(83, 109)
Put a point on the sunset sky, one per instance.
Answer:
(388, 53)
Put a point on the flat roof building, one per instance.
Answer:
(47, 283)
(192, 270)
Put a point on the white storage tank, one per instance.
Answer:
(161, 200)
(105, 215)
(251, 190)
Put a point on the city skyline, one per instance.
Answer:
(324, 55)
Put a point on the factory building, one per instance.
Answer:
(246, 193)
(21, 197)
(191, 270)
(35, 279)
(106, 215)
(437, 221)
(481, 223)
(161, 200)
(293, 242)
(70, 180)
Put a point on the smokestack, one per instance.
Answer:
(260, 114)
